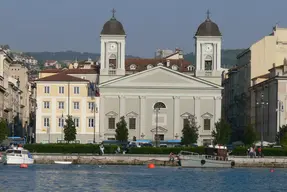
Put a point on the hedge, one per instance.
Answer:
(109, 149)
(242, 151)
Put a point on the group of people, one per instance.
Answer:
(254, 151)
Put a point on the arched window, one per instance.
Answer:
(113, 61)
(133, 67)
(190, 68)
(149, 66)
(159, 105)
(208, 63)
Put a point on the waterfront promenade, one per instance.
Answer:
(142, 159)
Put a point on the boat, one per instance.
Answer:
(63, 162)
(214, 157)
(17, 156)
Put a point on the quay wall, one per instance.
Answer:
(128, 159)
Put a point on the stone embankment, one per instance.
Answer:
(129, 159)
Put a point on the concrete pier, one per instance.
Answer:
(141, 159)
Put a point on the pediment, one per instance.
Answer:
(160, 77)
(185, 115)
(111, 114)
(132, 114)
(207, 116)
(159, 129)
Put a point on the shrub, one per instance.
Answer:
(165, 150)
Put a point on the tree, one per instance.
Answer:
(221, 134)
(3, 130)
(190, 133)
(122, 132)
(250, 135)
(70, 130)
(281, 136)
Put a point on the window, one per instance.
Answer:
(132, 123)
(206, 142)
(206, 124)
(46, 89)
(76, 105)
(61, 104)
(46, 122)
(112, 122)
(76, 122)
(76, 90)
(208, 65)
(185, 122)
(111, 138)
(91, 105)
(61, 122)
(159, 137)
(133, 67)
(61, 90)
(91, 122)
(46, 104)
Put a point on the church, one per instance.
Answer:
(158, 96)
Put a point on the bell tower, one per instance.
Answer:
(113, 45)
(208, 51)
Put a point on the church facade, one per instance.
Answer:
(159, 99)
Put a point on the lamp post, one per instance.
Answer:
(62, 129)
(262, 104)
(156, 128)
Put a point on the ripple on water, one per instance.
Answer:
(73, 178)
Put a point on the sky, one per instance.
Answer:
(60, 25)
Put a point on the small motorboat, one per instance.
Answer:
(17, 156)
(63, 162)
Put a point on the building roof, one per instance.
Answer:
(208, 28)
(113, 27)
(80, 71)
(62, 77)
(142, 64)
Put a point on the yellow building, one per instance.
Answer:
(253, 66)
(62, 94)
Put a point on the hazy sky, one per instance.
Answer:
(59, 25)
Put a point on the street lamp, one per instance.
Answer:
(62, 129)
(262, 103)
(94, 124)
(156, 127)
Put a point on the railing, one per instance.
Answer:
(112, 72)
(191, 155)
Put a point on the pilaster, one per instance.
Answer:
(217, 108)
(197, 110)
(102, 116)
(122, 106)
(142, 127)
(176, 117)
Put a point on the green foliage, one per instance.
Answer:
(68, 148)
(221, 134)
(122, 132)
(250, 135)
(281, 137)
(3, 130)
(165, 150)
(242, 151)
(70, 130)
(190, 133)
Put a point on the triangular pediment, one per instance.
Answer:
(160, 77)
(159, 129)
(132, 114)
(207, 116)
(111, 114)
(185, 115)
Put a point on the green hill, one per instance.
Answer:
(228, 56)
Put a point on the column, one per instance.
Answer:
(217, 108)
(142, 127)
(122, 106)
(198, 117)
(102, 117)
(176, 116)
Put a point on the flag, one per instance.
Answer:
(97, 92)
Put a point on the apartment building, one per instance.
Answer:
(239, 108)
(63, 92)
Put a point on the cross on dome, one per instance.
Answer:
(113, 11)
(208, 14)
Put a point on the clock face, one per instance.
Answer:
(208, 48)
(113, 47)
